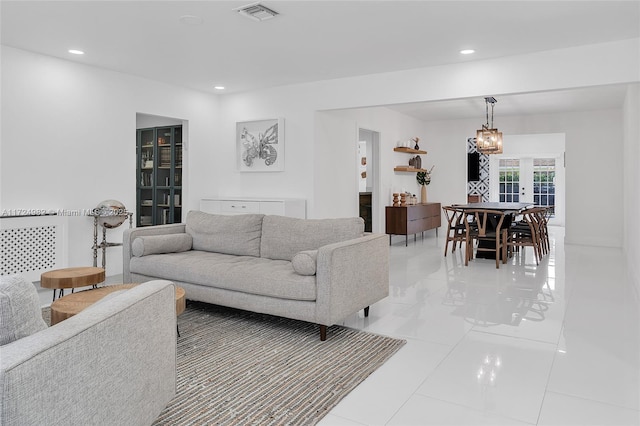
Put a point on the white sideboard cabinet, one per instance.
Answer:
(292, 207)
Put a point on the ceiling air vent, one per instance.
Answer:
(257, 12)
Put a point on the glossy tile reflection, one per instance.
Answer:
(552, 344)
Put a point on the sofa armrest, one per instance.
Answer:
(351, 275)
(130, 234)
(112, 364)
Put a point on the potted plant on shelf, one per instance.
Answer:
(424, 179)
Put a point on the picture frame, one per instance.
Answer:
(260, 145)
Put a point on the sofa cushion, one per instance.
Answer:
(155, 244)
(304, 262)
(246, 274)
(20, 311)
(239, 234)
(283, 237)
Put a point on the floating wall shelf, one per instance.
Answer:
(407, 169)
(409, 150)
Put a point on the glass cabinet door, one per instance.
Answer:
(146, 156)
(159, 186)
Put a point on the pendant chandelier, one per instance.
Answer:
(489, 139)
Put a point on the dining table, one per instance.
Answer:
(510, 210)
(506, 208)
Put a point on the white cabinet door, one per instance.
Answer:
(292, 207)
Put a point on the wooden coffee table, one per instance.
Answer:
(59, 279)
(69, 305)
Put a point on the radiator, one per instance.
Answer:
(31, 245)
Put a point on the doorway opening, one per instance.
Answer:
(532, 172)
(368, 146)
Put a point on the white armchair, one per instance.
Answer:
(112, 364)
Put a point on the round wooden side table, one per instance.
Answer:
(59, 279)
(70, 305)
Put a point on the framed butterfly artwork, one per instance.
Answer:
(260, 145)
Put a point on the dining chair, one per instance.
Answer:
(526, 233)
(456, 232)
(485, 226)
(544, 229)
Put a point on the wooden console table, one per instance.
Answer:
(412, 219)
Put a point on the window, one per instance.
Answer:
(544, 188)
(509, 180)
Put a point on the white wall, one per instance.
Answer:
(311, 167)
(144, 121)
(593, 170)
(68, 139)
(336, 156)
(67, 128)
(222, 175)
(590, 176)
(631, 241)
(593, 176)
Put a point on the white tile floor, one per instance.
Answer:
(556, 344)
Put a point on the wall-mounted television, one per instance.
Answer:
(473, 167)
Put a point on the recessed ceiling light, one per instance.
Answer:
(467, 51)
(76, 51)
(190, 20)
(218, 87)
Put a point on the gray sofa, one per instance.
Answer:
(315, 270)
(112, 364)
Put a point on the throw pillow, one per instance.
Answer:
(20, 311)
(157, 244)
(304, 262)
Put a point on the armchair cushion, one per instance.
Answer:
(20, 311)
(156, 244)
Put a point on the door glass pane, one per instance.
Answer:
(544, 188)
(509, 180)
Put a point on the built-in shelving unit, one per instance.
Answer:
(159, 176)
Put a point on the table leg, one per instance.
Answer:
(60, 293)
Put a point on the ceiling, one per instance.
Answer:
(587, 99)
(199, 44)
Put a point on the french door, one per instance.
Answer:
(539, 181)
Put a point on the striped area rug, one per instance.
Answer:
(242, 368)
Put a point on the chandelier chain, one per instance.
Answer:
(492, 115)
(486, 105)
